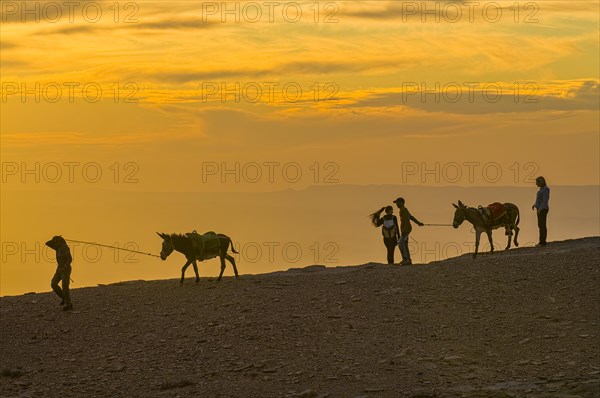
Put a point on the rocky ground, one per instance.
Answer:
(514, 324)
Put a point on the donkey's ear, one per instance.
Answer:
(455, 206)
(460, 203)
(159, 234)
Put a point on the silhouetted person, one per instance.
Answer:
(63, 271)
(389, 230)
(405, 229)
(541, 205)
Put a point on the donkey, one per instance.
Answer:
(509, 221)
(183, 244)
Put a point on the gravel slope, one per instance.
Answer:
(519, 323)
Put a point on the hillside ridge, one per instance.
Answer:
(518, 323)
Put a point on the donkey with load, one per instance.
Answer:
(197, 247)
(486, 219)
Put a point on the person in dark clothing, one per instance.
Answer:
(63, 270)
(405, 229)
(389, 230)
(541, 205)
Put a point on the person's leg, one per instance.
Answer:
(54, 284)
(390, 244)
(403, 244)
(542, 218)
(400, 247)
(407, 249)
(66, 281)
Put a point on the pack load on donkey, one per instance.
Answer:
(493, 212)
(207, 245)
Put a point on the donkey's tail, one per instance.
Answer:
(232, 248)
(518, 217)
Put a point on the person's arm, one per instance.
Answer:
(397, 227)
(419, 223)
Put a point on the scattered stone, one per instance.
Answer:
(269, 370)
(405, 352)
(12, 373)
(169, 385)
(454, 359)
(244, 367)
(307, 394)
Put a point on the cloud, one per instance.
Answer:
(6, 45)
(172, 24)
(493, 98)
(199, 76)
(87, 28)
(13, 63)
(276, 71)
(453, 11)
(44, 11)
(73, 29)
(82, 123)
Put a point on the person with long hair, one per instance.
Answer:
(389, 229)
(541, 205)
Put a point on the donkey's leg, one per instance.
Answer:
(187, 264)
(223, 252)
(232, 261)
(489, 234)
(222, 258)
(517, 229)
(509, 236)
(196, 271)
(477, 237)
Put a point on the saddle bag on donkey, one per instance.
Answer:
(496, 210)
(207, 245)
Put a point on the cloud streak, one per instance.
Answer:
(495, 98)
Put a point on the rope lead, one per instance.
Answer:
(112, 247)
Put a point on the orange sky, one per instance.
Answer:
(185, 82)
(179, 96)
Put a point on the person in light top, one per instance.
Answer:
(389, 230)
(541, 205)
